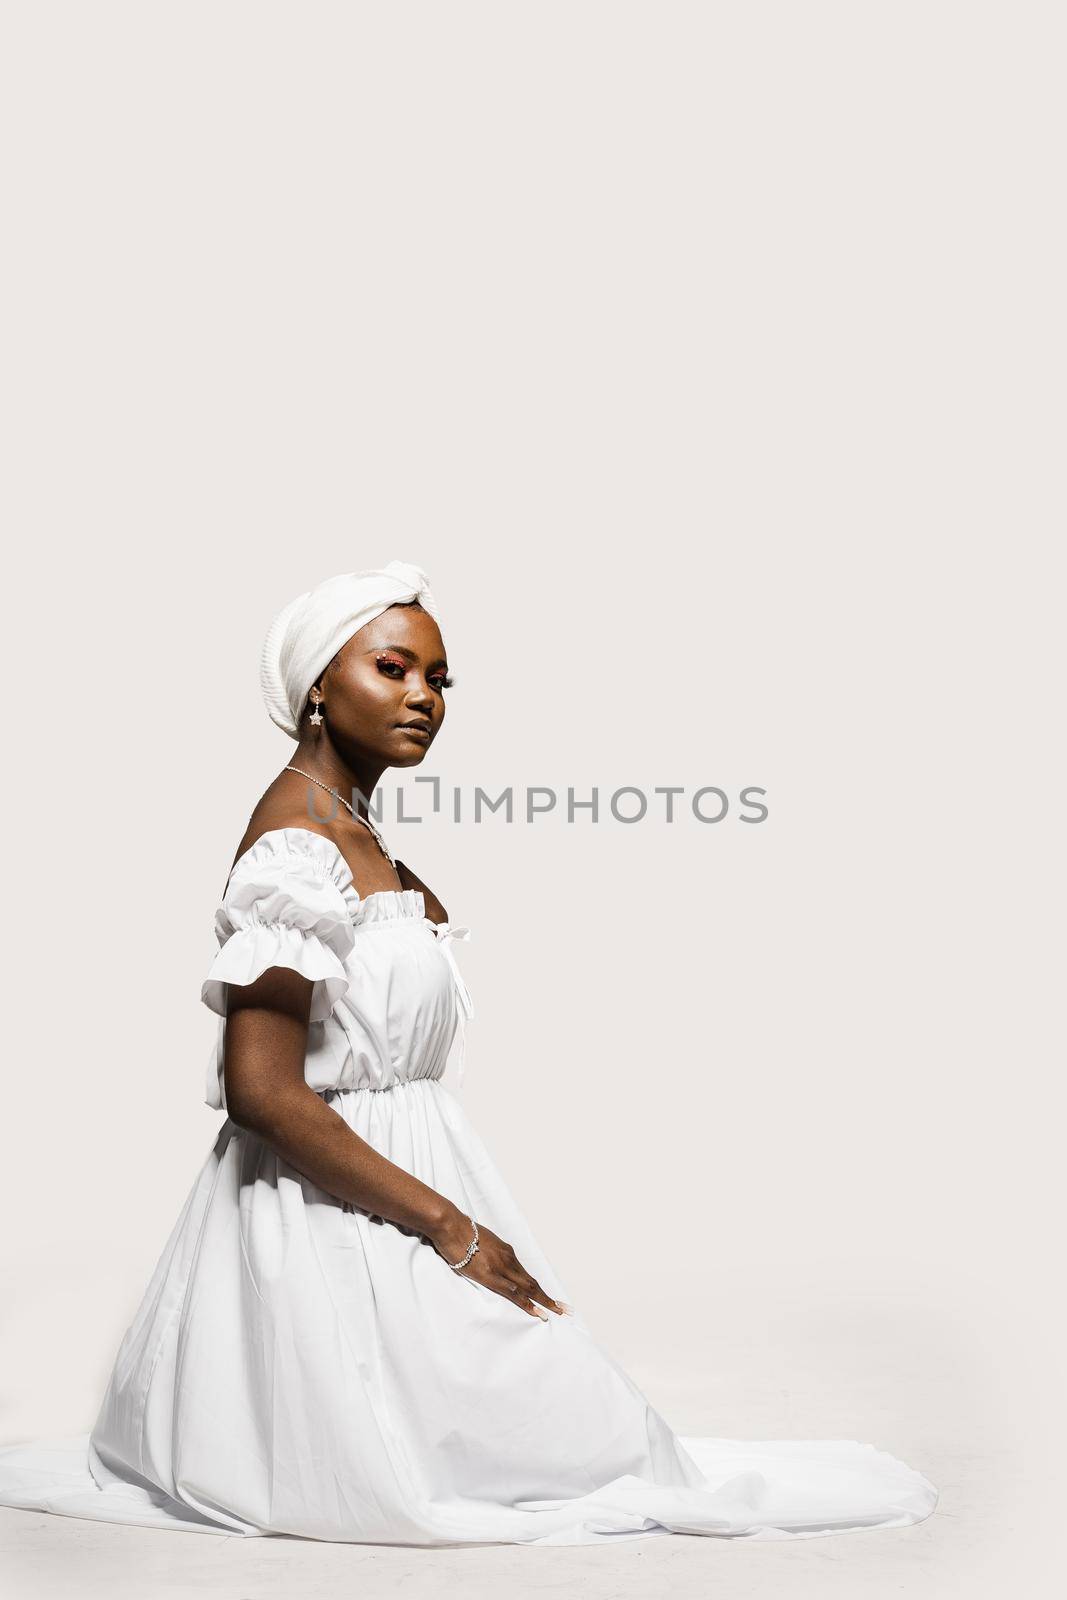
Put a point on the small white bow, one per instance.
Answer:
(446, 931)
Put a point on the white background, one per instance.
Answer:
(710, 360)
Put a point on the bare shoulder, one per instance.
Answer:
(270, 817)
(434, 909)
(369, 868)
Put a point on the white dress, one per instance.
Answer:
(299, 1366)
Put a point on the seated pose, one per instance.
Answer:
(352, 1333)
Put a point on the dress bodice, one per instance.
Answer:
(387, 997)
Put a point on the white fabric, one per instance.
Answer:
(298, 1366)
(307, 633)
(388, 1008)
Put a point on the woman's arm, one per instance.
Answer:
(267, 1094)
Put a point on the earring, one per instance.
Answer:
(316, 716)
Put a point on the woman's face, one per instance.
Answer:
(385, 686)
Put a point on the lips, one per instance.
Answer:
(422, 728)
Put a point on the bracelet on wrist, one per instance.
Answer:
(472, 1247)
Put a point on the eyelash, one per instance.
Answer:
(437, 680)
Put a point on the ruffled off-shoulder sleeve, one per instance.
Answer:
(289, 903)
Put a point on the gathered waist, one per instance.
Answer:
(378, 1088)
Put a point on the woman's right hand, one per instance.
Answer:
(493, 1264)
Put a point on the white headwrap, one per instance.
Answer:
(306, 635)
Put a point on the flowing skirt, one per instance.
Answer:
(298, 1366)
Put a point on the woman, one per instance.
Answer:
(352, 1333)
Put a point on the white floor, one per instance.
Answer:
(985, 1539)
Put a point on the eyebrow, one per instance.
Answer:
(402, 650)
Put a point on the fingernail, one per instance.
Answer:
(543, 1315)
(563, 1306)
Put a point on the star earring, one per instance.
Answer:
(316, 716)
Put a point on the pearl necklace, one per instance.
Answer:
(367, 823)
